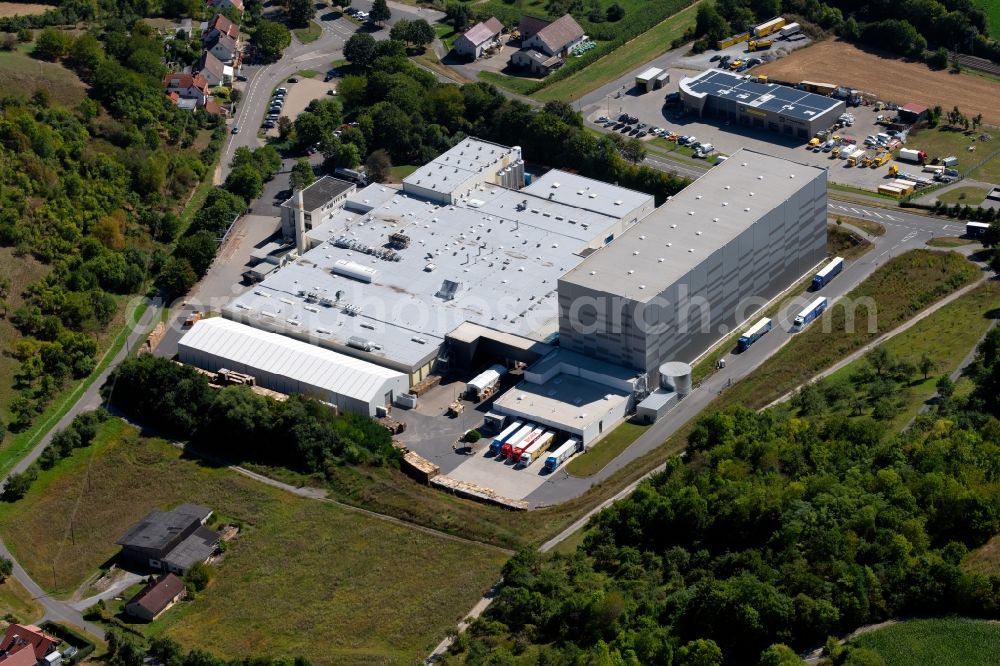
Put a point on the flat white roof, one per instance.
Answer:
(649, 74)
(283, 356)
(567, 402)
(697, 221)
(448, 170)
(587, 194)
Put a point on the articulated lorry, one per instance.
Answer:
(755, 333)
(519, 447)
(810, 312)
(768, 27)
(561, 455)
(827, 273)
(911, 155)
(533, 452)
(517, 428)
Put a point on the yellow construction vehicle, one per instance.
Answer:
(835, 152)
(894, 170)
(866, 160)
(760, 44)
(813, 142)
(735, 64)
(881, 159)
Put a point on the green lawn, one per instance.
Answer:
(307, 73)
(973, 196)
(15, 600)
(605, 450)
(898, 290)
(446, 34)
(632, 54)
(992, 8)
(945, 141)
(515, 84)
(946, 336)
(302, 574)
(846, 243)
(935, 642)
(308, 34)
(22, 74)
(398, 173)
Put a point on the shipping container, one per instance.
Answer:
(789, 30)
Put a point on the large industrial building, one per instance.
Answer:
(457, 172)
(392, 274)
(696, 268)
(741, 99)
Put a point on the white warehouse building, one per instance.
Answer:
(284, 364)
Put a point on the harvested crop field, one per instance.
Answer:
(892, 79)
(22, 9)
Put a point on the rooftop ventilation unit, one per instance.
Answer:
(357, 342)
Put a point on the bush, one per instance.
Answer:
(472, 437)
(199, 576)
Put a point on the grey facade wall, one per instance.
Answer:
(710, 301)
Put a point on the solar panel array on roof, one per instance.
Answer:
(773, 97)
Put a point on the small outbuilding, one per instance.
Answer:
(480, 37)
(158, 595)
(912, 113)
(653, 78)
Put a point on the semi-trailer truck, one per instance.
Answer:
(505, 445)
(540, 446)
(828, 272)
(504, 436)
(517, 448)
(768, 27)
(810, 312)
(561, 455)
(755, 333)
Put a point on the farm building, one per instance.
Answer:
(739, 99)
(480, 37)
(156, 597)
(738, 235)
(170, 540)
(545, 45)
(287, 365)
(911, 113)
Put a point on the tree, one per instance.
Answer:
(177, 277)
(880, 359)
(378, 166)
(938, 59)
(380, 12)
(779, 654)
(457, 14)
(199, 249)
(17, 485)
(927, 365)
(701, 652)
(245, 182)
(302, 175)
(360, 50)
(615, 12)
(198, 576)
(285, 127)
(269, 40)
(710, 23)
(400, 31)
(6, 567)
(634, 151)
(422, 34)
(945, 387)
(52, 44)
(300, 12)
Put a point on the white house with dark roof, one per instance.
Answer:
(545, 46)
(213, 70)
(480, 37)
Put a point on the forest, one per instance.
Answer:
(770, 534)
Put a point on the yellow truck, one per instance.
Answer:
(760, 44)
(735, 64)
(880, 159)
(769, 27)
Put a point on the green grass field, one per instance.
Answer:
(308, 34)
(899, 289)
(844, 242)
(515, 84)
(630, 55)
(307, 73)
(992, 8)
(946, 336)
(22, 74)
(302, 573)
(398, 173)
(973, 196)
(606, 450)
(446, 34)
(935, 642)
(945, 141)
(15, 600)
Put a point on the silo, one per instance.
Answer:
(676, 376)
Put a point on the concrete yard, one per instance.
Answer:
(299, 95)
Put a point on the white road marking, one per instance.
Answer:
(876, 215)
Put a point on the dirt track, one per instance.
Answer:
(18, 9)
(892, 79)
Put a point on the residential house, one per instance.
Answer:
(222, 5)
(480, 37)
(156, 597)
(27, 645)
(170, 540)
(544, 45)
(223, 47)
(216, 72)
(192, 88)
(220, 25)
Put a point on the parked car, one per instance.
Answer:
(602, 119)
(331, 91)
(281, 91)
(293, 79)
(641, 134)
(240, 77)
(268, 124)
(714, 58)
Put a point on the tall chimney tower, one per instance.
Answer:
(300, 224)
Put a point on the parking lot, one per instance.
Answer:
(298, 97)
(431, 433)
(727, 139)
